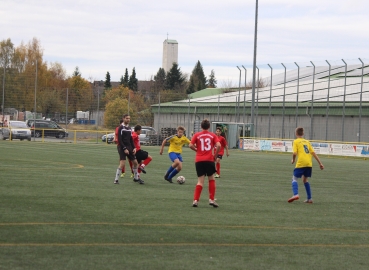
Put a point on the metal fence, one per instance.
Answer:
(330, 99)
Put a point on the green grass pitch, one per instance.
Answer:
(59, 209)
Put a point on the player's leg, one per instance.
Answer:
(200, 170)
(177, 167)
(146, 161)
(136, 177)
(131, 166)
(217, 175)
(210, 170)
(143, 155)
(123, 171)
(172, 157)
(122, 159)
(305, 180)
(297, 173)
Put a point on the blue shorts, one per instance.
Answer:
(173, 156)
(306, 171)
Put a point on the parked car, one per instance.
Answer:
(15, 130)
(110, 137)
(144, 136)
(48, 128)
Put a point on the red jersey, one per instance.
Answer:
(136, 140)
(223, 144)
(205, 142)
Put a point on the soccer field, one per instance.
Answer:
(59, 209)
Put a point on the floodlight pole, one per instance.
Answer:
(284, 99)
(254, 64)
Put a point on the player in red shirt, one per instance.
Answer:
(223, 145)
(203, 144)
(143, 157)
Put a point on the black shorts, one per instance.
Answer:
(123, 156)
(206, 168)
(141, 155)
(220, 156)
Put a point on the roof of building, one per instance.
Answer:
(171, 41)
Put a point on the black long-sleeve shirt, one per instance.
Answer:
(125, 137)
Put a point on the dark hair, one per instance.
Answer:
(219, 129)
(125, 115)
(181, 128)
(205, 124)
(121, 121)
(137, 127)
(299, 131)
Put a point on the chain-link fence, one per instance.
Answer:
(330, 99)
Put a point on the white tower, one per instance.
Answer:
(170, 54)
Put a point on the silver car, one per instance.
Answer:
(15, 130)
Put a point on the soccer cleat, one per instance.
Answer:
(166, 176)
(122, 175)
(213, 203)
(217, 175)
(116, 182)
(139, 180)
(142, 169)
(195, 203)
(308, 201)
(132, 175)
(170, 180)
(293, 198)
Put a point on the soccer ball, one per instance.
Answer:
(181, 180)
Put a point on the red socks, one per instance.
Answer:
(211, 189)
(218, 168)
(197, 193)
(147, 161)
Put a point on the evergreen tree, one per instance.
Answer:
(160, 79)
(76, 72)
(121, 80)
(107, 84)
(212, 80)
(175, 78)
(133, 82)
(198, 80)
(126, 78)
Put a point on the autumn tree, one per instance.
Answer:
(80, 93)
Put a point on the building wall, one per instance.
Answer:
(170, 54)
(318, 132)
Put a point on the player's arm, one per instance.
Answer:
(120, 138)
(293, 157)
(217, 148)
(317, 159)
(162, 146)
(226, 148)
(192, 146)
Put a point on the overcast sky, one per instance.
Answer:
(101, 36)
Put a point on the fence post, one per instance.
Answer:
(244, 98)
(297, 95)
(66, 114)
(239, 93)
(284, 98)
(270, 98)
(327, 108)
(218, 105)
(98, 109)
(312, 105)
(3, 104)
(257, 104)
(344, 104)
(188, 114)
(159, 131)
(361, 97)
(34, 110)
